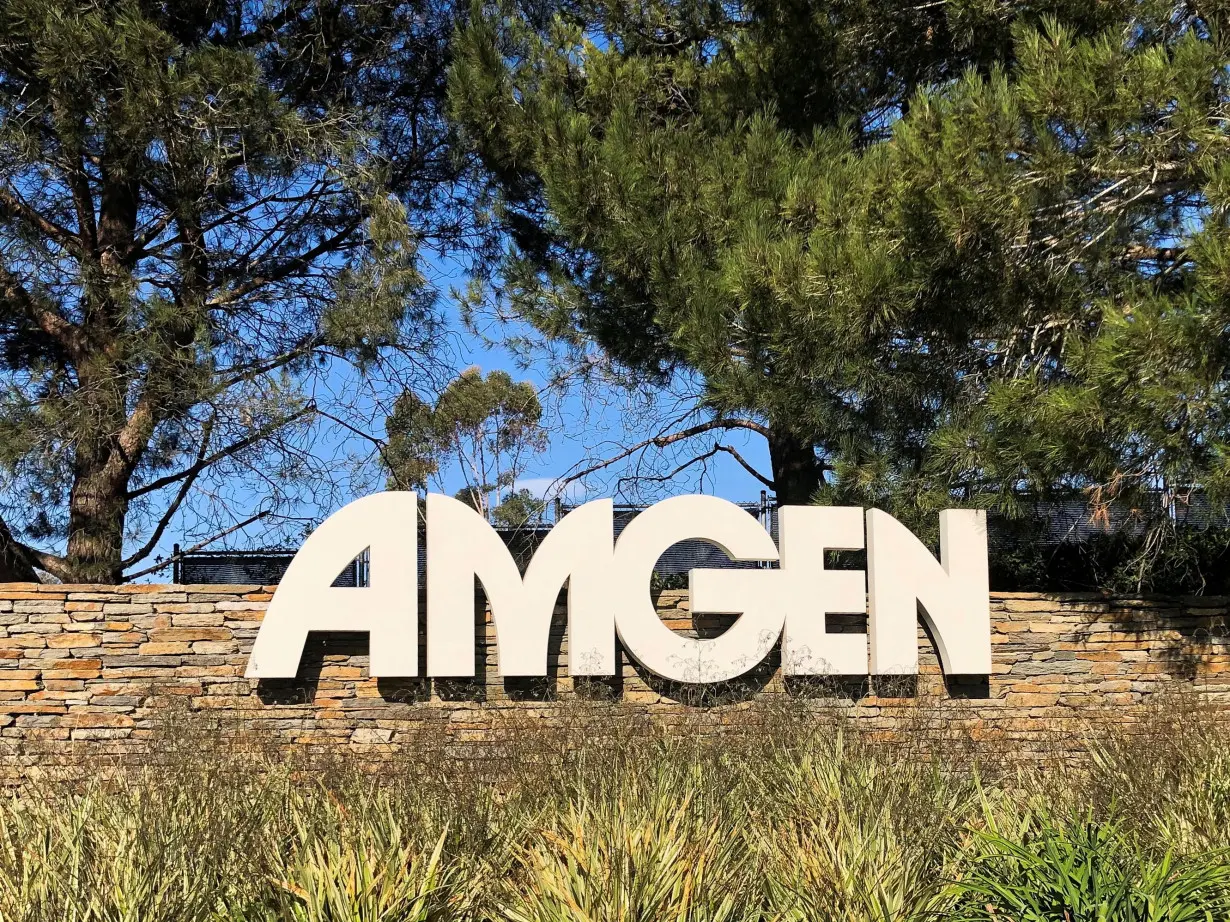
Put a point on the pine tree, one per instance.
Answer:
(963, 252)
(632, 149)
(199, 201)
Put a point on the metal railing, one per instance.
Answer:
(1050, 524)
(266, 566)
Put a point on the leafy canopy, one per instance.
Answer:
(489, 427)
(203, 206)
(966, 253)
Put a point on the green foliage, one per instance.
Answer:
(369, 873)
(201, 206)
(1082, 870)
(519, 509)
(661, 861)
(976, 258)
(847, 842)
(488, 426)
(737, 815)
(1168, 561)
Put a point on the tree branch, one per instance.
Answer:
(232, 375)
(733, 452)
(196, 547)
(662, 441)
(147, 548)
(289, 267)
(26, 559)
(132, 440)
(379, 443)
(15, 565)
(698, 459)
(52, 322)
(221, 454)
(15, 206)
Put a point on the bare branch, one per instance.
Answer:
(302, 261)
(196, 547)
(165, 520)
(733, 452)
(228, 377)
(379, 443)
(662, 441)
(221, 454)
(699, 459)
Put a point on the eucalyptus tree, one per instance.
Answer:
(484, 428)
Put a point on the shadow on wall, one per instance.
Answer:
(335, 657)
(1181, 632)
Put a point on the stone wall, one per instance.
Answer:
(91, 670)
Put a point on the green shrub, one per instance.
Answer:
(855, 835)
(1085, 871)
(658, 861)
(369, 872)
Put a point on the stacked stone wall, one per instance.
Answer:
(90, 670)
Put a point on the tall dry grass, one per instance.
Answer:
(788, 818)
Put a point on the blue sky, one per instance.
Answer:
(586, 424)
(590, 425)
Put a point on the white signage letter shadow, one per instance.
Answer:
(462, 545)
(955, 595)
(812, 592)
(386, 525)
(752, 593)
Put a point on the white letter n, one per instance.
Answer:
(955, 597)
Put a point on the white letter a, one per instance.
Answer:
(386, 525)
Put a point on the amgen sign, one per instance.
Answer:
(608, 591)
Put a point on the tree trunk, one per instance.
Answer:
(797, 473)
(14, 568)
(97, 508)
(107, 450)
(103, 460)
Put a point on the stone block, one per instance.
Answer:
(23, 641)
(32, 707)
(56, 617)
(189, 634)
(214, 647)
(212, 619)
(100, 734)
(39, 606)
(32, 628)
(94, 718)
(163, 649)
(247, 605)
(71, 641)
(137, 650)
(370, 736)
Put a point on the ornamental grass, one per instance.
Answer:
(792, 818)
